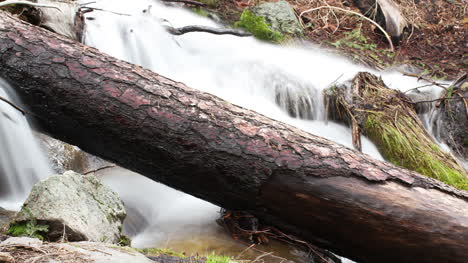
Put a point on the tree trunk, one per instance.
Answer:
(343, 200)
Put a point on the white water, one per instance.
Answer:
(242, 71)
(22, 162)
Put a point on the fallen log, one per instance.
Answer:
(338, 198)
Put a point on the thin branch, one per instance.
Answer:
(13, 105)
(212, 30)
(423, 86)
(354, 13)
(434, 100)
(100, 168)
(189, 2)
(5, 3)
(88, 9)
(425, 79)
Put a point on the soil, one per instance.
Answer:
(435, 45)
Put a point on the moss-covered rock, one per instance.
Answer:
(74, 207)
(258, 27)
(280, 16)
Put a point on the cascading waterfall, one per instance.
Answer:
(22, 162)
(284, 83)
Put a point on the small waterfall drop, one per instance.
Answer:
(283, 83)
(22, 163)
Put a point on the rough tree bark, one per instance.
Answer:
(368, 210)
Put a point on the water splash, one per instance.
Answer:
(22, 162)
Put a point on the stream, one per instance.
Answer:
(243, 71)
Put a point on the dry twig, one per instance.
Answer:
(354, 13)
(100, 168)
(13, 105)
(189, 2)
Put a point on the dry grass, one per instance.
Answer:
(44, 253)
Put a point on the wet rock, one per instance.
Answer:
(75, 207)
(64, 156)
(5, 218)
(280, 16)
(418, 96)
(451, 122)
(81, 252)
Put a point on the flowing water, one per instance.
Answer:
(284, 83)
(22, 163)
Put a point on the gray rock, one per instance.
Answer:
(73, 252)
(451, 122)
(78, 207)
(5, 218)
(22, 241)
(64, 157)
(418, 96)
(281, 16)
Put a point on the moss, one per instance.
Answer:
(258, 27)
(124, 241)
(200, 12)
(213, 258)
(401, 144)
(28, 228)
(210, 3)
(154, 252)
(355, 39)
(394, 127)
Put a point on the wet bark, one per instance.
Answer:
(324, 193)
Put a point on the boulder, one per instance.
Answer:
(29, 250)
(280, 16)
(73, 207)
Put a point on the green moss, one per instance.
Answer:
(200, 12)
(213, 258)
(29, 228)
(355, 39)
(158, 251)
(400, 143)
(210, 3)
(124, 241)
(258, 27)
(450, 91)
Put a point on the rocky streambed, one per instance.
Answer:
(72, 218)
